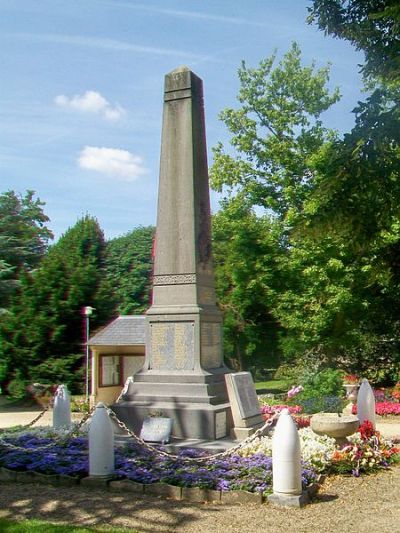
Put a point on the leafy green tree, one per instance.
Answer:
(266, 178)
(24, 238)
(357, 194)
(42, 335)
(274, 133)
(245, 255)
(372, 26)
(129, 268)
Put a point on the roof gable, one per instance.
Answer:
(123, 331)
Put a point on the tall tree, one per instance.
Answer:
(274, 133)
(357, 194)
(24, 238)
(266, 178)
(42, 336)
(129, 266)
(372, 26)
(246, 250)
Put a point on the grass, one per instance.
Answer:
(39, 526)
(272, 386)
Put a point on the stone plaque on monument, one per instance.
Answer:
(156, 429)
(175, 338)
(245, 394)
(244, 403)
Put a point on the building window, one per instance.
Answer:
(110, 370)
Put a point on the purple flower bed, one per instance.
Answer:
(134, 462)
(68, 457)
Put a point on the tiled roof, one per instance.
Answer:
(125, 330)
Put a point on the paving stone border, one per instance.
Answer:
(158, 490)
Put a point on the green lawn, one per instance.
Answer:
(272, 386)
(39, 526)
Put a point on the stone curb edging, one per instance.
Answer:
(159, 490)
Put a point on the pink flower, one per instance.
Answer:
(383, 408)
(273, 409)
(294, 390)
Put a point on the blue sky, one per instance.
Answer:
(82, 83)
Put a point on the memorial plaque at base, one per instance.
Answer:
(156, 429)
(244, 403)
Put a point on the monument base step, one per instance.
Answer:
(189, 420)
(209, 446)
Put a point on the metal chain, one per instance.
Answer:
(226, 453)
(26, 426)
(55, 439)
(259, 432)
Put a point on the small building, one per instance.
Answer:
(118, 352)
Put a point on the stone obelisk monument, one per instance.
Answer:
(183, 374)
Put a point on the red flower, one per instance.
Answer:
(366, 430)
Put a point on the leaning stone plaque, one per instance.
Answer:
(156, 429)
(244, 403)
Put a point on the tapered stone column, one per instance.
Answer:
(183, 375)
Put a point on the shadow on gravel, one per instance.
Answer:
(323, 498)
(98, 508)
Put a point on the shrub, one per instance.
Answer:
(329, 404)
(325, 383)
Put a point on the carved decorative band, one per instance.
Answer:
(174, 279)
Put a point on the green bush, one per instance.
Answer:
(322, 391)
(17, 387)
(325, 383)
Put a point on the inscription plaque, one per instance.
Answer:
(220, 425)
(156, 429)
(210, 344)
(245, 394)
(172, 345)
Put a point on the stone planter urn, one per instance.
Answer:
(351, 395)
(335, 425)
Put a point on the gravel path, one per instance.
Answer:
(353, 505)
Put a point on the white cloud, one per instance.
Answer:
(104, 44)
(91, 102)
(113, 162)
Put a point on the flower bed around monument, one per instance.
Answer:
(69, 456)
(52, 453)
(384, 408)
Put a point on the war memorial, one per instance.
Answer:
(183, 377)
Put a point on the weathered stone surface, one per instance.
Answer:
(164, 490)
(195, 494)
(46, 479)
(26, 476)
(126, 485)
(156, 429)
(96, 482)
(241, 496)
(244, 403)
(7, 475)
(289, 500)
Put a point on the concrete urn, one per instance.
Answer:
(334, 425)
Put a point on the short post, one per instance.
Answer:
(366, 403)
(61, 408)
(101, 444)
(286, 464)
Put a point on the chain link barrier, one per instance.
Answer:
(26, 426)
(258, 433)
(55, 441)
